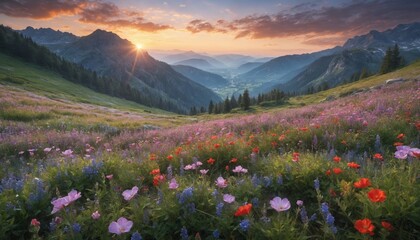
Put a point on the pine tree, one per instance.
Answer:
(233, 102)
(246, 100)
(226, 106)
(211, 107)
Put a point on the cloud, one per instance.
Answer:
(89, 11)
(40, 9)
(345, 20)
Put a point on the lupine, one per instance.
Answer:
(184, 233)
(185, 195)
(244, 225)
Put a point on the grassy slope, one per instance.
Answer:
(30, 85)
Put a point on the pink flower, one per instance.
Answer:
(299, 203)
(96, 215)
(239, 169)
(47, 150)
(190, 167)
(221, 182)
(204, 171)
(228, 198)
(173, 184)
(65, 201)
(109, 177)
(129, 194)
(122, 225)
(67, 153)
(35, 222)
(279, 204)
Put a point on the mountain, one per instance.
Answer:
(234, 60)
(109, 55)
(358, 54)
(54, 40)
(177, 59)
(246, 67)
(197, 63)
(275, 69)
(207, 79)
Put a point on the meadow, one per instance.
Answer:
(341, 169)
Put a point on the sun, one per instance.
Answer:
(139, 46)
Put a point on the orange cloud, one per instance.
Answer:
(90, 11)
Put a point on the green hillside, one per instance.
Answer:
(29, 92)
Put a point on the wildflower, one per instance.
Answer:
(184, 233)
(109, 177)
(243, 210)
(377, 195)
(185, 195)
(282, 137)
(365, 226)
(404, 151)
(76, 227)
(353, 165)
(204, 171)
(256, 150)
(216, 234)
(398, 144)
(211, 161)
(216, 146)
(67, 153)
(221, 182)
(401, 136)
(337, 171)
(279, 204)
(130, 193)
(95, 215)
(362, 183)
(337, 159)
(35, 222)
(244, 225)
(328, 172)
(59, 203)
(155, 171)
(228, 198)
(239, 169)
(158, 179)
(219, 208)
(47, 150)
(152, 157)
(122, 225)
(303, 215)
(316, 184)
(136, 236)
(388, 226)
(378, 156)
(299, 203)
(178, 150)
(173, 184)
(267, 181)
(233, 160)
(295, 157)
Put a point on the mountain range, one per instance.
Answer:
(109, 55)
(299, 73)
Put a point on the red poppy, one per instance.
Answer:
(233, 160)
(328, 172)
(295, 157)
(417, 125)
(178, 150)
(211, 161)
(152, 157)
(170, 157)
(155, 171)
(362, 183)
(304, 129)
(401, 136)
(337, 159)
(243, 210)
(378, 156)
(227, 167)
(158, 179)
(398, 144)
(353, 165)
(216, 145)
(387, 225)
(256, 150)
(337, 171)
(365, 226)
(282, 137)
(377, 195)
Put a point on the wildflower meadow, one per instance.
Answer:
(343, 169)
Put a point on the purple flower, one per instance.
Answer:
(239, 169)
(96, 215)
(129, 194)
(173, 184)
(204, 171)
(402, 152)
(221, 182)
(67, 153)
(59, 203)
(228, 198)
(299, 203)
(279, 204)
(122, 225)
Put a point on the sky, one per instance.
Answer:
(252, 27)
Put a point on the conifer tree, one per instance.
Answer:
(246, 100)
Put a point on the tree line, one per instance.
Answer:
(14, 44)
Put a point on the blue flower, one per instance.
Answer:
(136, 236)
(303, 215)
(244, 225)
(330, 219)
(219, 208)
(216, 234)
(185, 195)
(184, 233)
(76, 227)
(316, 184)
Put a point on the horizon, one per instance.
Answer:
(273, 28)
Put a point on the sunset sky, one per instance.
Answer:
(254, 27)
